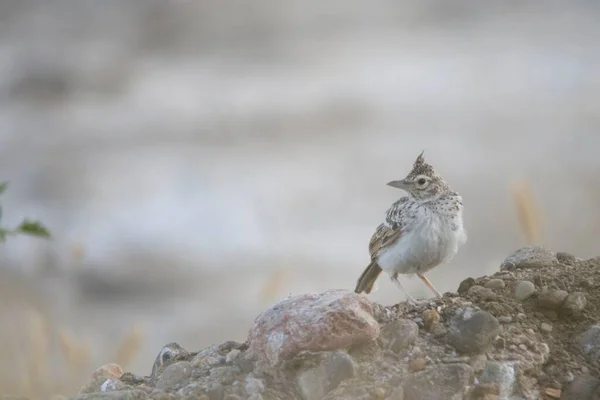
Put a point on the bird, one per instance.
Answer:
(420, 231)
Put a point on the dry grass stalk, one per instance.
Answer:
(274, 284)
(76, 354)
(528, 213)
(39, 353)
(130, 346)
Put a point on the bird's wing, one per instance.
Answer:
(383, 237)
(388, 232)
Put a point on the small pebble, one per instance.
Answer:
(566, 258)
(523, 347)
(552, 299)
(574, 304)
(524, 290)
(379, 393)
(417, 364)
(495, 284)
(505, 319)
(553, 393)
(546, 327)
(430, 318)
(481, 292)
(232, 355)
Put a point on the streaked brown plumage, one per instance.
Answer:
(419, 232)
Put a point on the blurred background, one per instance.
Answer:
(198, 160)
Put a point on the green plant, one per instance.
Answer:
(27, 227)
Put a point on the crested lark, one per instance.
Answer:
(420, 231)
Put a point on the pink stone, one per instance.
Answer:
(312, 322)
(111, 370)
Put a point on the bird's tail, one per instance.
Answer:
(368, 277)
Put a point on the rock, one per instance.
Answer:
(399, 335)
(589, 344)
(485, 389)
(552, 393)
(169, 354)
(529, 257)
(430, 319)
(465, 285)
(502, 374)
(583, 387)
(338, 368)
(100, 376)
(417, 364)
(481, 292)
(505, 319)
(215, 392)
(574, 304)
(440, 382)
(524, 290)
(566, 258)
(174, 375)
(316, 382)
(546, 327)
(552, 299)
(495, 284)
(232, 355)
(116, 395)
(397, 394)
(313, 322)
(111, 370)
(472, 331)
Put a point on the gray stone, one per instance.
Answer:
(443, 381)
(574, 304)
(529, 257)
(546, 327)
(398, 335)
(503, 374)
(254, 385)
(397, 394)
(589, 344)
(465, 285)
(495, 284)
(524, 290)
(582, 387)
(174, 375)
(115, 395)
(338, 368)
(169, 354)
(566, 258)
(472, 331)
(552, 299)
(216, 391)
(316, 382)
(481, 292)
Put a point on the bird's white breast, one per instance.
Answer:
(428, 239)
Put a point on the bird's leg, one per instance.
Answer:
(429, 284)
(408, 296)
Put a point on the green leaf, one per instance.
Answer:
(33, 228)
(3, 186)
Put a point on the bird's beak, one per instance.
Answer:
(401, 184)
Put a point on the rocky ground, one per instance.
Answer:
(530, 331)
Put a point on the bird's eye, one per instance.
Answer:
(421, 181)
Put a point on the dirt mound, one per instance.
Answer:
(530, 331)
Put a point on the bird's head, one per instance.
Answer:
(422, 182)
